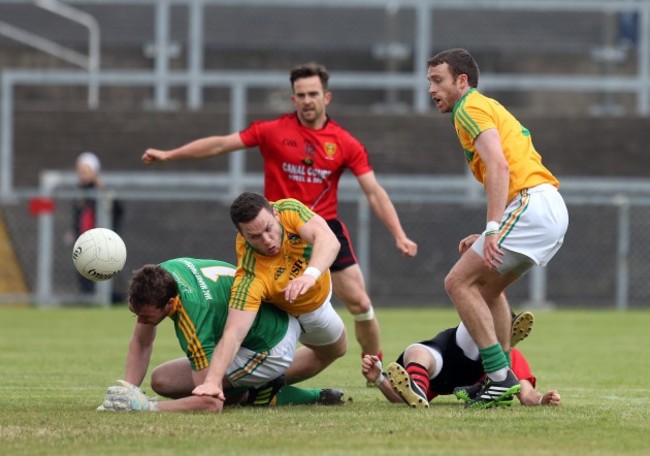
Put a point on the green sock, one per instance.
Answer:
(493, 358)
(508, 358)
(291, 395)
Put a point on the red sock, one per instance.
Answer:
(419, 374)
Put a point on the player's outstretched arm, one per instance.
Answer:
(211, 146)
(238, 324)
(139, 353)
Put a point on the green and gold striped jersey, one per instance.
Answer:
(263, 279)
(475, 113)
(200, 311)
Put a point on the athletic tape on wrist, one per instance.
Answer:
(491, 227)
(313, 272)
(381, 377)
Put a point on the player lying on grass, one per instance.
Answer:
(447, 364)
(195, 294)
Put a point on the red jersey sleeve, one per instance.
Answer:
(250, 136)
(521, 368)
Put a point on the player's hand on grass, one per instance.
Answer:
(551, 398)
(125, 397)
(209, 389)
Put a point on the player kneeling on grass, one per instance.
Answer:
(195, 294)
(450, 364)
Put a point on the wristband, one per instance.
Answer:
(491, 227)
(313, 272)
(380, 378)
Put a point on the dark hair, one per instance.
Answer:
(247, 206)
(151, 285)
(307, 70)
(460, 61)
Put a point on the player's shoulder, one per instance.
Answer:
(285, 119)
(288, 204)
(199, 262)
(333, 125)
(288, 116)
(291, 207)
(480, 102)
(472, 100)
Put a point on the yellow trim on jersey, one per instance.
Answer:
(194, 346)
(261, 278)
(475, 113)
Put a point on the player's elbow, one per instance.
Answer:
(503, 168)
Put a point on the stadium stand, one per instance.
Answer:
(52, 125)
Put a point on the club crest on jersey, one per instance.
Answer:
(279, 272)
(310, 149)
(330, 150)
(293, 238)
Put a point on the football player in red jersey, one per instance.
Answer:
(305, 153)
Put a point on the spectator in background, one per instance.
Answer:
(84, 213)
(305, 153)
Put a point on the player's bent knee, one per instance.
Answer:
(339, 348)
(451, 284)
(365, 316)
(358, 304)
(160, 384)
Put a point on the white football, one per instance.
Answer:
(99, 254)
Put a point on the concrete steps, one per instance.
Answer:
(418, 144)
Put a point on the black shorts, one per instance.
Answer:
(346, 256)
(457, 369)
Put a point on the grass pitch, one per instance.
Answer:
(55, 366)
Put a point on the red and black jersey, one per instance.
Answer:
(303, 163)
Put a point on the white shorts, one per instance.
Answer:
(254, 369)
(322, 326)
(533, 228)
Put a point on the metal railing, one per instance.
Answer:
(196, 78)
(163, 188)
(89, 62)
